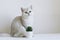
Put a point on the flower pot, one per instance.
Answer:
(29, 34)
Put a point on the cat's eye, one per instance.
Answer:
(25, 12)
(29, 11)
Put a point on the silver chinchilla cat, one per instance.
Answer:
(20, 23)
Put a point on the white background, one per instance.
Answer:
(46, 14)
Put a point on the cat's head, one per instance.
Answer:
(26, 11)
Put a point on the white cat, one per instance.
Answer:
(19, 24)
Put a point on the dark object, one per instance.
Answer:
(23, 36)
(29, 28)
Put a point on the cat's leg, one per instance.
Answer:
(21, 32)
(13, 29)
(18, 34)
(12, 32)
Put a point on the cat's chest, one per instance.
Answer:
(27, 19)
(27, 22)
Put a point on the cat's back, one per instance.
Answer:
(17, 19)
(16, 22)
(14, 26)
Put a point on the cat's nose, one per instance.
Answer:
(28, 14)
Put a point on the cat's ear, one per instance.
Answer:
(21, 9)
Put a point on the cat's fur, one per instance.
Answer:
(19, 24)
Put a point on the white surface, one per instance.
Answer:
(36, 37)
(46, 14)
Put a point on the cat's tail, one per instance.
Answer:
(4, 35)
